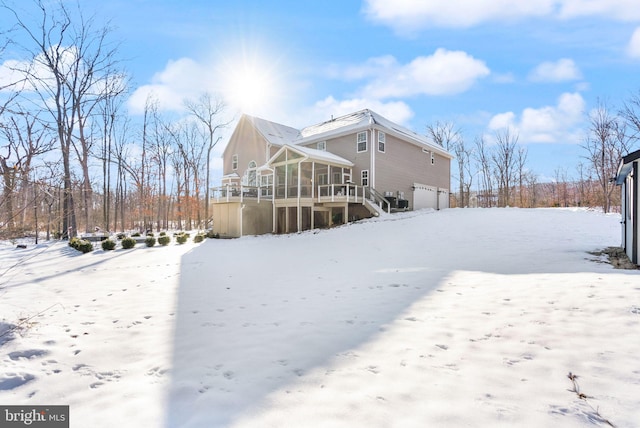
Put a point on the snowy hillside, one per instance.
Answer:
(452, 318)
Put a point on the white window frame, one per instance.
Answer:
(321, 145)
(382, 143)
(360, 141)
(323, 179)
(234, 162)
(364, 177)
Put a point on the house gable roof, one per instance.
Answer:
(279, 135)
(275, 133)
(361, 120)
(626, 164)
(307, 153)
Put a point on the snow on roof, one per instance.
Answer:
(349, 121)
(275, 133)
(360, 120)
(279, 135)
(322, 155)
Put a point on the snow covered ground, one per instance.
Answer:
(454, 318)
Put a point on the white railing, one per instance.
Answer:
(239, 192)
(340, 193)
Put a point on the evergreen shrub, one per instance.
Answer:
(128, 243)
(108, 244)
(164, 240)
(84, 246)
(150, 241)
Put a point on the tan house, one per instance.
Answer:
(279, 179)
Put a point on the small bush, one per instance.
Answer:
(128, 243)
(150, 241)
(74, 242)
(150, 234)
(211, 234)
(108, 244)
(121, 236)
(84, 246)
(163, 233)
(164, 240)
(182, 238)
(135, 235)
(198, 238)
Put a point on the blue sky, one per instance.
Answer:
(537, 67)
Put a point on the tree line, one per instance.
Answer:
(70, 156)
(495, 173)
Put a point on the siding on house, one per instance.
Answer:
(248, 144)
(403, 164)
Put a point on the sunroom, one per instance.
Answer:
(312, 188)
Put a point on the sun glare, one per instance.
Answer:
(250, 86)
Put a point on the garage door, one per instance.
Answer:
(425, 196)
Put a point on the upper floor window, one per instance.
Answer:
(234, 162)
(251, 174)
(381, 141)
(362, 141)
(322, 145)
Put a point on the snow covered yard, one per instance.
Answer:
(451, 318)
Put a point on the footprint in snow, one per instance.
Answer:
(14, 380)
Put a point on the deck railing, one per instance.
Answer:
(239, 192)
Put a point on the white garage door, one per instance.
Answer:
(425, 196)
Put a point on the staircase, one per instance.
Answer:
(375, 202)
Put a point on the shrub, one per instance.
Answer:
(108, 244)
(182, 238)
(198, 238)
(164, 240)
(74, 242)
(150, 234)
(136, 234)
(121, 236)
(128, 243)
(211, 234)
(150, 241)
(163, 233)
(84, 246)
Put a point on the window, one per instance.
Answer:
(364, 175)
(322, 145)
(433, 159)
(251, 174)
(362, 141)
(322, 179)
(381, 141)
(234, 162)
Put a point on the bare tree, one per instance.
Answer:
(504, 160)
(483, 156)
(207, 110)
(68, 55)
(446, 135)
(521, 167)
(605, 145)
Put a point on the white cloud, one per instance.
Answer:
(549, 124)
(443, 73)
(183, 78)
(407, 16)
(396, 111)
(633, 48)
(560, 71)
(620, 10)
(411, 15)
